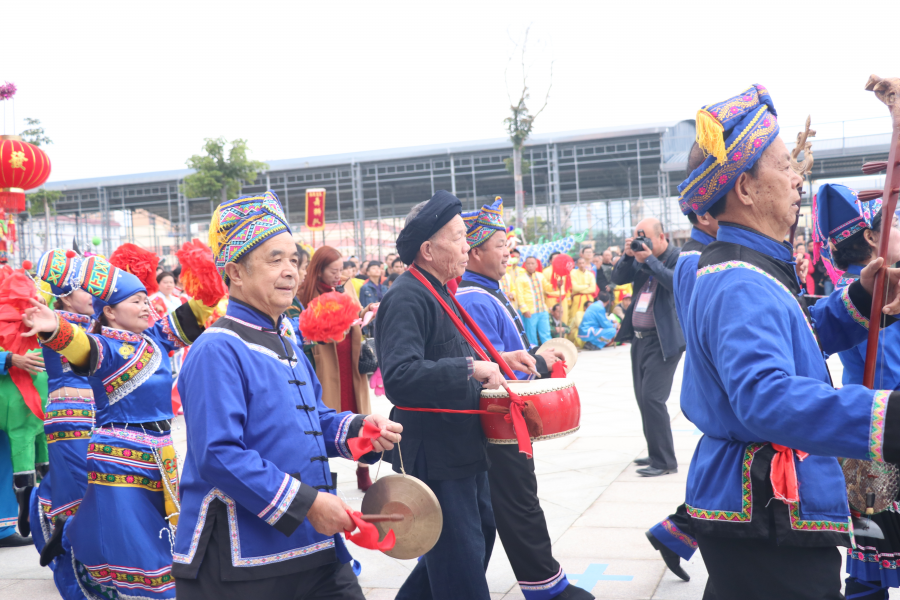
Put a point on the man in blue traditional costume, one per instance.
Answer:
(259, 515)
(428, 366)
(517, 509)
(673, 537)
(847, 232)
(766, 495)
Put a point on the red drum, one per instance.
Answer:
(556, 400)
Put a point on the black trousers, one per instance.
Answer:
(750, 569)
(652, 378)
(519, 516)
(333, 581)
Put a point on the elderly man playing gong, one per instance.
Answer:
(259, 518)
(428, 366)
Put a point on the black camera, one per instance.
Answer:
(640, 241)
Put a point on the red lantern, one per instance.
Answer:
(23, 166)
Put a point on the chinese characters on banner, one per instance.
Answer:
(315, 209)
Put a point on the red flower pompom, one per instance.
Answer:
(16, 291)
(139, 262)
(71, 254)
(328, 317)
(199, 276)
(562, 267)
(27, 265)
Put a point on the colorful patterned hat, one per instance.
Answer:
(238, 226)
(108, 285)
(59, 269)
(482, 224)
(838, 214)
(733, 134)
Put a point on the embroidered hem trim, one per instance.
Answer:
(281, 488)
(798, 524)
(135, 481)
(157, 581)
(876, 428)
(676, 533)
(137, 437)
(851, 308)
(340, 440)
(746, 512)
(887, 560)
(538, 586)
(689, 253)
(122, 456)
(285, 502)
(66, 436)
(235, 538)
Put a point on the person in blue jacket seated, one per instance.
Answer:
(596, 329)
(260, 517)
(848, 232)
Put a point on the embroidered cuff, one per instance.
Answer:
(470, 367)
(343, 434)
(60, 338)
(884, 433)
(295, 506)
(861, 300)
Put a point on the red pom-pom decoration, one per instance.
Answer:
(328, 317)
(199, 276)
(139, 262)
(71, 254)
(562, 267)
(27, 265)
(16, 292)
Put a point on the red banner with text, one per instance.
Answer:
(315, 209)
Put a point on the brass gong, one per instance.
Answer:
(422, 522)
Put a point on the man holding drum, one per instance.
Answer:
(520, 519)
(427, 365)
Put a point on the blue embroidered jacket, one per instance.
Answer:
(887, 370)
(131, 373)
(59, 371)
(686, 271)
(755, 374)
(259, 438)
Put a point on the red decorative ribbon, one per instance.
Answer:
(368, 534)
(25, 384)
(363, 444)
(516, 404)
(785, 486)
(558, 370)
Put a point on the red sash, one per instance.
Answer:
(516, 404)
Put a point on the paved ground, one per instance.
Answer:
(597, 507)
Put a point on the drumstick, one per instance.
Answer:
(382, 518)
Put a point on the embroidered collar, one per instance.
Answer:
(121, 335)
(250, 316)
(744, 236)
(702, 237)
(74, 317)
(481, 280)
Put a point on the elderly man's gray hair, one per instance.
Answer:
(414, 212)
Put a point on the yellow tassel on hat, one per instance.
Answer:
(214, 239)
(710, 135)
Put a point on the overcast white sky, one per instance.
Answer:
(129, 87)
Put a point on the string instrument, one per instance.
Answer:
(802, 168)
(872, 487)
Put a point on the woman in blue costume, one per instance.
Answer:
(68, 419)
(120, 537)
(849, 233)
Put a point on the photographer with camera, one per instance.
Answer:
(657, 343)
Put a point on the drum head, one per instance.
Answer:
(423, 520)
(568, 349)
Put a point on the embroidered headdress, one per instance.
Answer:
(734, 134)
(482, 224)
(238, 226)
(59, 269)
(838, 215)
(108, 285)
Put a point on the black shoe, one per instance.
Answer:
(573, 592)
(15, 540)
(644, 462)
(23, 495)
(590, 347)
(672, 560)
(54, 545)
(654, 472)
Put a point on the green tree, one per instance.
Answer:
(44, 201)
(35, 134)
(221, 171)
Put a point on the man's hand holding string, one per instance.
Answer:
(40, 319)
(520, 360)
(328, 515)
(867, 279)
(390, 432)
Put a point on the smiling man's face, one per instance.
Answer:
(266, 278)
